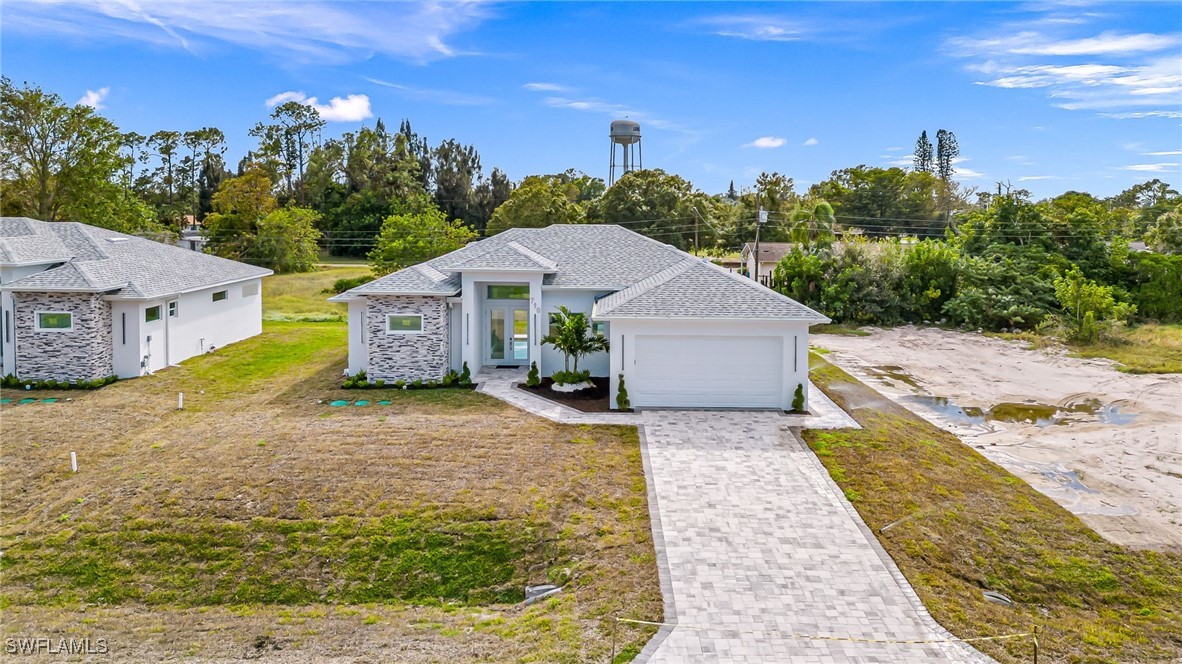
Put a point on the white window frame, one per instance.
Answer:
(37, 321)
(404, 332)
(225, 295)
(174, 308)
(159, 314)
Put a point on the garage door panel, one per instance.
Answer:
(707, 371)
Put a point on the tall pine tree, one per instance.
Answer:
(946, 151)
(923, 154)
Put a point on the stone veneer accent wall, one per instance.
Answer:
(407, 356)
(84, 353)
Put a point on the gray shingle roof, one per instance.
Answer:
(510, 256)
(99, 260)
(695, 288)
(653, 278)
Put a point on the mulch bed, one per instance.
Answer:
(590, 400)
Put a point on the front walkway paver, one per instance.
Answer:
(501, 383)
(759, 547)
(756, 546)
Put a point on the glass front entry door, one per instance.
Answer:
(508, 336)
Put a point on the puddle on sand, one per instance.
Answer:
(897, 374)
(959, 414)
(1038, 414)
(1109, 413)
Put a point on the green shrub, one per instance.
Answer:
(400, 384)
(532, 379)
(622, 396)
(465, 376)
(572, 377)
(342, 285)
(379, 383)
(798, 399)
(416, 384)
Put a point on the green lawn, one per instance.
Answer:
(261, 514)
(1148, 348)
(958, 524)
(301, 296)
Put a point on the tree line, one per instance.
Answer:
(395, 198)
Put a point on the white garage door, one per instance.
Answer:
(705, 371)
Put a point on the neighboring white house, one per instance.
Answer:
(81, 302)
(682, 331)
(770, 255)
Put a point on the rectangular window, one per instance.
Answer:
(55, 321)
(250, 290)
(152, 314)
(123, 324)
(555, 320)
(172, 309)
(219, 296)
(501, 292)
(599, 328)
(404, 324)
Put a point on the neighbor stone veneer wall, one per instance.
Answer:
(407, 356)
(84, 353)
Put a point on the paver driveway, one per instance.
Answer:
(758, 546)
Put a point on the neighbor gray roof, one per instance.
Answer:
(99, 260)
(769, 252)
(653, 279)
(695, 288)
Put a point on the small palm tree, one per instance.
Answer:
(573, 337)
(813, 226)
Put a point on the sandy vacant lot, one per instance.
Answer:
(1105, 445)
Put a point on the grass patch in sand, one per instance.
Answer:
(840, 329)
(958, 524)
(1149, 348)
(260, 514)
(301, 296)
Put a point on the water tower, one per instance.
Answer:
(626, 134)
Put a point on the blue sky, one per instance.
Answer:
(1051, 97)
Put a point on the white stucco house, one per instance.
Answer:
(80, 302)
(770, 255)
(682, 331)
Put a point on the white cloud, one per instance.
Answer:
(766, 143)
(1137, 115)
(546, 87)
(1151, 168)
(295, 33)
(810, 141)
(1165, 153)
(594, 105)
(1037, 43)
(1035, 178)
(968, 174)
(902, 161)
(756, 28)
(446, 97)
(894, 149)
(1106, 72)
(1102, 44)
(351, 108)
(94, 98)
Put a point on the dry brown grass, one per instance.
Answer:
(261, 489)
(958, 524)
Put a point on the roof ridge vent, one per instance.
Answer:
(431, 273)
(533, 255)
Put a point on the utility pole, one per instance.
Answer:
(761, 221)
